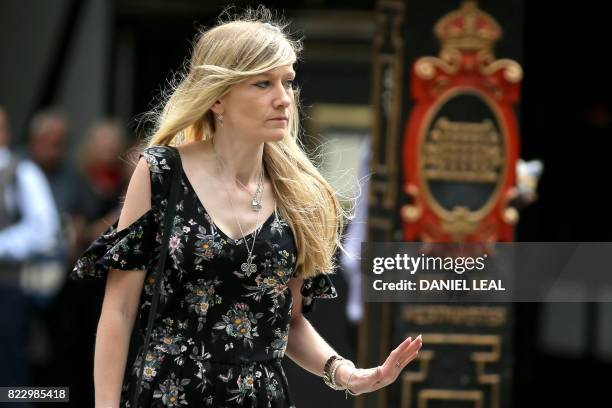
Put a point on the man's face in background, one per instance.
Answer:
(48, 142)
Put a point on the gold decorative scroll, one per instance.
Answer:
(463, 151)
(481, 360)
(470, 316)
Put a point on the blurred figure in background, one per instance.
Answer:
(101, 165)
(103, 181)
(356, 233)
(29, 225)
(51, 348)
(87, 194)
(47, 145)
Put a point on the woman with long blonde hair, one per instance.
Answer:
(251, 246)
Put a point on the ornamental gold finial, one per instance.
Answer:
(468, 29)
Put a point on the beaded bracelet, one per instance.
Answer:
(327, 378)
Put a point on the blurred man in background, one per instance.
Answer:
(29, 225)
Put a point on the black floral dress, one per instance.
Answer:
(220, 332)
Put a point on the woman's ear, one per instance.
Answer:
(217, 108)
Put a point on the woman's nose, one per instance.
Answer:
(283, 97)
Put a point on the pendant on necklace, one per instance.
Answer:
(256, 205)
(248, 267)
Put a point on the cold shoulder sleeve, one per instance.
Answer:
(134, 247)
(159, 160)
(129, 249)
(317, 287)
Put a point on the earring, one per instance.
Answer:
(220, 119)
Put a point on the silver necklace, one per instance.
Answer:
(247, 267)
(258, 196)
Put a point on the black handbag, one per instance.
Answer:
(168, 224)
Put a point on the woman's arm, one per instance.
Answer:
(310, 351)
(305, 346)
(113, 335)
(120, 306)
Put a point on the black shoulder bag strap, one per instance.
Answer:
(168, 221)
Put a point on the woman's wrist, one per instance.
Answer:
(343, 372)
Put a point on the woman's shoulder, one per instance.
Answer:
(159, 158)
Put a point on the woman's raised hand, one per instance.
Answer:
(371, 379)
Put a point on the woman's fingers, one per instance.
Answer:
(410, 353)
(407, 347)
(399, 350)
(410, 343)
(403, 346)
(414, 346)
(408, 360)
(406, 342)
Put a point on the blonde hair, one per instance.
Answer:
(225, 55)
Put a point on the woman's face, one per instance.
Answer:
(249, 109)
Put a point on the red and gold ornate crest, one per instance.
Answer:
(461, 140)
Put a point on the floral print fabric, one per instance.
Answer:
(219, 331)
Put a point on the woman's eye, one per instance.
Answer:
(290, 82)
